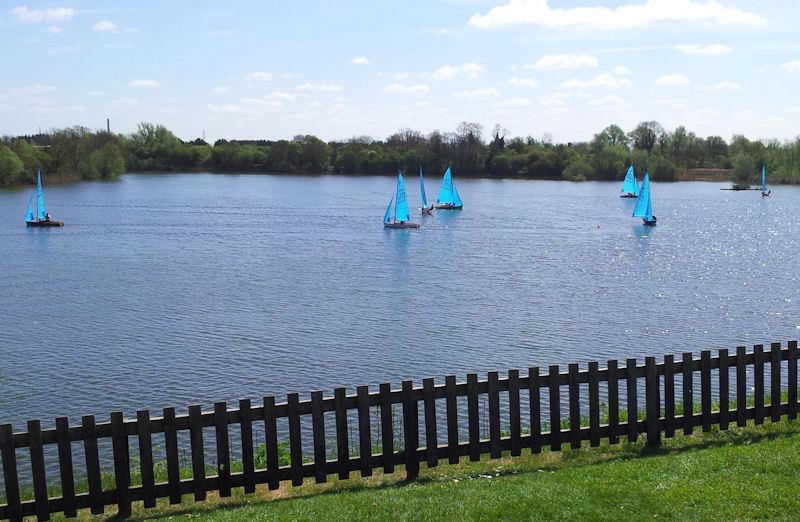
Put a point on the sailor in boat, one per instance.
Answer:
(47, 216)
(650, 223)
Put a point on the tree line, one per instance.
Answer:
(80, 153)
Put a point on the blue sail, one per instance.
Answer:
(644, 207)
(446, 190)
(29, 216)
(422, 189)
(40, 212)
(456, 198)
(387, 218)
(401, 205)
(763, 179)
(629, 186)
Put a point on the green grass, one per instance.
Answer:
(745, 473)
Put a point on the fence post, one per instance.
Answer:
(122, 469)
(198, 452)
(613, 402)
(387, 427)
(146, 457)
(494, 415)
(555, 408)
(10, 476)
(632, 389)
(92, 457)
(342, 440)
(792, 378)
(246, 430)
(535, 409)
(653, 401)
(364, 431)
(65, 466)
(38, 470)
(452, 419)
(513, 412)
(741, 386)
(724, 389)
(431, 433)
(669, 395)
(410, 430)
(473, 417)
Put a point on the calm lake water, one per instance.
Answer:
(169, 290)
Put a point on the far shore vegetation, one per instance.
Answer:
(77, 153)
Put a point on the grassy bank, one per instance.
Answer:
(744, 473)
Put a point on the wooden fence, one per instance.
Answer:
(581, 387)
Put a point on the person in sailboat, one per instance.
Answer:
(47, 216)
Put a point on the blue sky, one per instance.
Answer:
(273, 69)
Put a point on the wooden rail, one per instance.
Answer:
(504, 397)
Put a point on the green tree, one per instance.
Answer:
(11, 167)
(105, 163)
(33, 158)
(578, 169)
(744, 168)
(647, 135)
(663, 169)
(315, 153)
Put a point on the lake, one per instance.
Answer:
(169, 290)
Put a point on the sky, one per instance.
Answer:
(341, 68)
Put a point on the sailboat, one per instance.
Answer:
(630, 189)
(426, 209)
(644, 206)
(41, 218)
(764, 191)
(401, 217)
(448, 194)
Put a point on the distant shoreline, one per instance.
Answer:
(696, 175)
(67, 180)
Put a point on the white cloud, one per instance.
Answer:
(105, 26)
(564, 61)
(264, 102)
(628, 16)
(672, 79)
(516, 102)
(607, 101)
(123, 103)
(704, 50)
(555, 99)
(36, 89)
(64, 49)
(448, 72)
(361, 60)
(97, 93)
(143, 84)
(522, 82)
(621, 70)
(478, 94)
(259, 76)
(791, 67)
(284, 96)
(396, 88)
(221, 88)
(318, 87)
(226, 109)
(725, 85)
(792, 110)
(51, 14)
(605, 81)
(54, 29)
